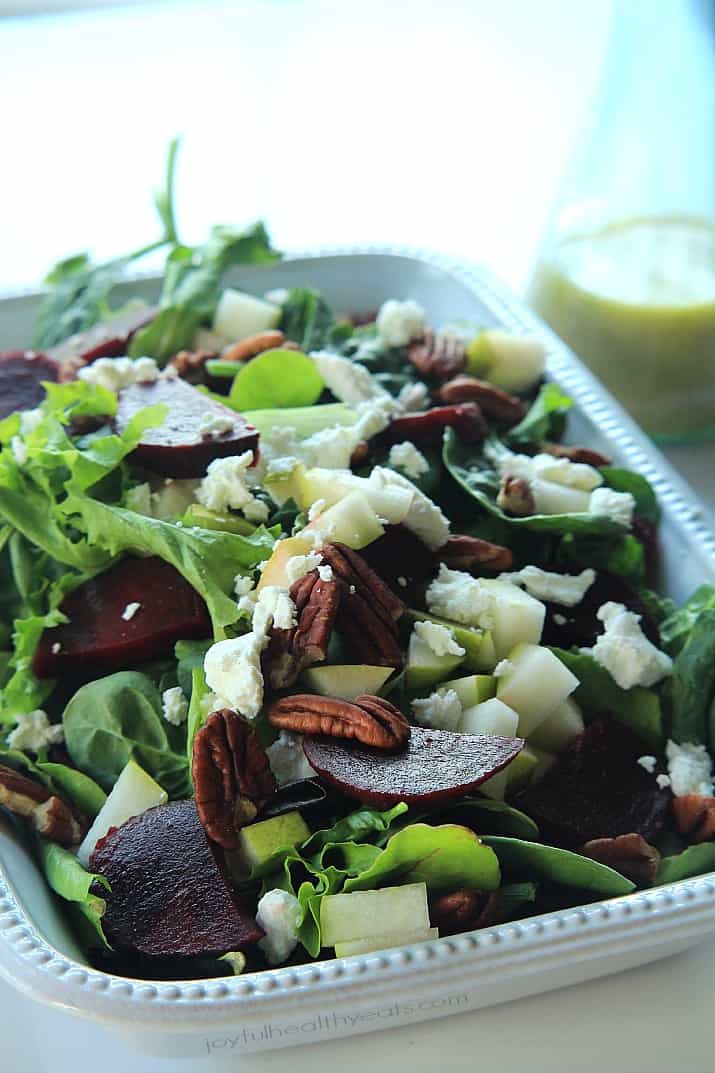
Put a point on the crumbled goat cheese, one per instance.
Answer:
(130, 611)
(647, 763)
(616, 505)
(287, 759)
(224, 487)
(29, 420)
(174, 706)
(282, 467)
(690, 769)
(325, 573)
(233, 672)
(413, 398)
(624, 650)
(402, 582)
(560, 620)
(547, 468)
(279, 914)
(503, 667)
(213, 425)
(409, 459)
(400, 322)
(348, 381)
(663, 781)
(274, 607)
(34, 732)
(424, 518)
(117, 373)
(565, 589)
(439, 711)
(439, 639)
(243, 584)
(300, 565)
(56, 648)
(456, 595)
(331, 448)
(19, 450)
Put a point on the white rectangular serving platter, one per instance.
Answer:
(338, 998)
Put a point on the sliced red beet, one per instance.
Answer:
(21, 376)
(597, 789)
(103, 634)
(170, 896)
(179, 448)
(109, 339)
(398, 553)
(436, 765)
(569, 627)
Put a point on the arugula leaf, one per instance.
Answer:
(692, 688)
(307, 318)
(693, 861)
(546, 418)
(209, 559)
(532, 860)
(445, 858)
(476, 477)
(679, 622)
(276, 378)
(68, 878)
(637, 708)
(625, 480)
(111, 720)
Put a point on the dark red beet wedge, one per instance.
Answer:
(21, 376)
(178, 448)
(170, 896)
(597, 789)
(98, 638)
(109, 339)
(435, 766)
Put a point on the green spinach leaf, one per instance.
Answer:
(78, 788)
(625, 480)
(693, 861)
(546, 418)
(307, 318)
(532, 860)
(692, 686)
(679, 621)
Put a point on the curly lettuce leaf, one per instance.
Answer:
(69, 879)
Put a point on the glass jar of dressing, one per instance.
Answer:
(626, 275)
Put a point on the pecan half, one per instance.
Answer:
(576, 454)
(472, 554)
(695, 816)
(494, 403)
(370, 720)
(289, 652)
(50, 815)
(438, 355)
(189, 364)
(254, 345)
(463, 910)
(629, 854)
(427, 428)
(369, 609)
(232, 776)
(515, 497)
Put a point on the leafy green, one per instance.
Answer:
(306, 420)
(445, 858)
(209, 559)
(68, 878)
(111, 720)
(83, 792)
(475, 476)
(514, 896)
(637, 708)
(197, 709)
(692, 687)
(486, 816)
(189, 656)
(546, 418)
(276, 378)
(625, 480)
(679, 621)
(362, 824)
(623, 555)
(532, 860)
(307, 318)
(693, 861)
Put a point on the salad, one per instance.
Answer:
(317, 635)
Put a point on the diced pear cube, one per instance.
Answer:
(239, 315)
(259, 841)
(345, 681)
(559, 728)
(425, 667)
(350, 521)
(490, 717)
(517, 617)
(472, 689)
(365, 913)
(133, 793)
(384, 942)
(534, 685)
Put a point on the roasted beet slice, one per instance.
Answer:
(569, 627)
(21, 376)
(435, 766)
(170, 896)
(106, 632)
(108, 339)
(597, 789)
(398, 553)
(180, 447)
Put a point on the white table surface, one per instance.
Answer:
(441, 125)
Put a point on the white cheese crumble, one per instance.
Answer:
(624, 650)
(457, 595)
(243, 584)
(402, 582)
(560, 620)
(224, 487)
(233, 672)
(647, 763)
(130, 611)
(503, 667)
(616, 505)
(413, 398)
(409, 459)
(174, 706)
(439, 639)
(424, 518)
(34, 732)
(279, 914)
(547, 468)
(56, 648)
(325, 572)
(274, 607)
(300, 565)
(213, 425)
(287, 759)
(439, 711)
(565, 589)
(663, 781)
(400, 322)
(19, 450)
(117, 373)
(349, 381)
(690, 769)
